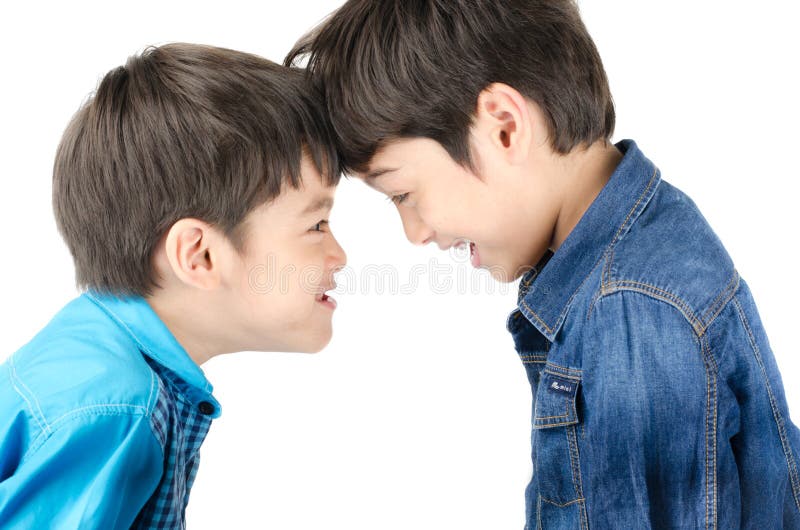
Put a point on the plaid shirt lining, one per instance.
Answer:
(180, 428)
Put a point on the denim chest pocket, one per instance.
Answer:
(555, 401)
(558, 488)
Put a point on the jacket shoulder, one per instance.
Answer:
(82, 363)
(671, 253)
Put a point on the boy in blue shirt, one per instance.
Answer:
(193, 191)
(657, 400)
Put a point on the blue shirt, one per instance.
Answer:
(101, 418)
(657, 399)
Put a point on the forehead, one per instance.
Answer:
(402, 154)
(313, 194)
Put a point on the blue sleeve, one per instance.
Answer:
(93, 471)
(647, 413)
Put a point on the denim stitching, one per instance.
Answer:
(599, 260)
(533, 358)
(635, 207)
(564, 368)
(554, 417)
(573, 373)
(599, 294)
(711, 435)
(700, 325)
(605, 278)
(605, 281)
(569, 302)
(554, 503)
(559, 424)
(661, 294)
(539, 514)
(534, 315)
(567, 410)
(719, 303)
(705, 467)
(544, 421)
(574, 457)
(558, 505)
(787, 450)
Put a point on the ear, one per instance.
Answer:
(504, 121)
(193, 249)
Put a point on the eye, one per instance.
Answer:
(320, 226)
(398, 199)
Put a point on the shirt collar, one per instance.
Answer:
(137, 318)
(547, 290)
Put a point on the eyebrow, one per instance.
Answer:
(322, 203)
(372, 175)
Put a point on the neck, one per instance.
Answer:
(184, 327)
(583, 174)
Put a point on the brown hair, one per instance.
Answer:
(414, 68)
(181, 130)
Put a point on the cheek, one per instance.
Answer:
(437, 211)
(276, 288)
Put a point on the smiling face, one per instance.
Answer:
(522, 197)
(289, 259)
(440, 201)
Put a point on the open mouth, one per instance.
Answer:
(326, 301)
(464, 244)
(474, 256)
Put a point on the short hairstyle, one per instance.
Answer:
(181, 130)
(414, 68)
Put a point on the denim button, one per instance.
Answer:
(206, 408)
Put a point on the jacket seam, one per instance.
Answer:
(559, 371)
(575, 466)
(610, 246)
(699, 325)
(41, 421)
(533, 359)
(635, 207)
(776, 414)
(83, 412)
(711, 433)
(712, 372)
(721, 301)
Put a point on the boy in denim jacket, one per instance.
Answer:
(193, 180)
(657, 400)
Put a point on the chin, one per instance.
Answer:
(316, 343)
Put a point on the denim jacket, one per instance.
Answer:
(657, 399)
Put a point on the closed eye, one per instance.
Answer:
(398, 199)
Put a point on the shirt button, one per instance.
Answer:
(206, 408)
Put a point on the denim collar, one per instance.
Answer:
(547, 290)
(134, 315)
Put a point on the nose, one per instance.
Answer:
(417, 232)
(337, 258)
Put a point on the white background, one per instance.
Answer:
(417, 414)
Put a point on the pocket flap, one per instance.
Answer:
(555, 401)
